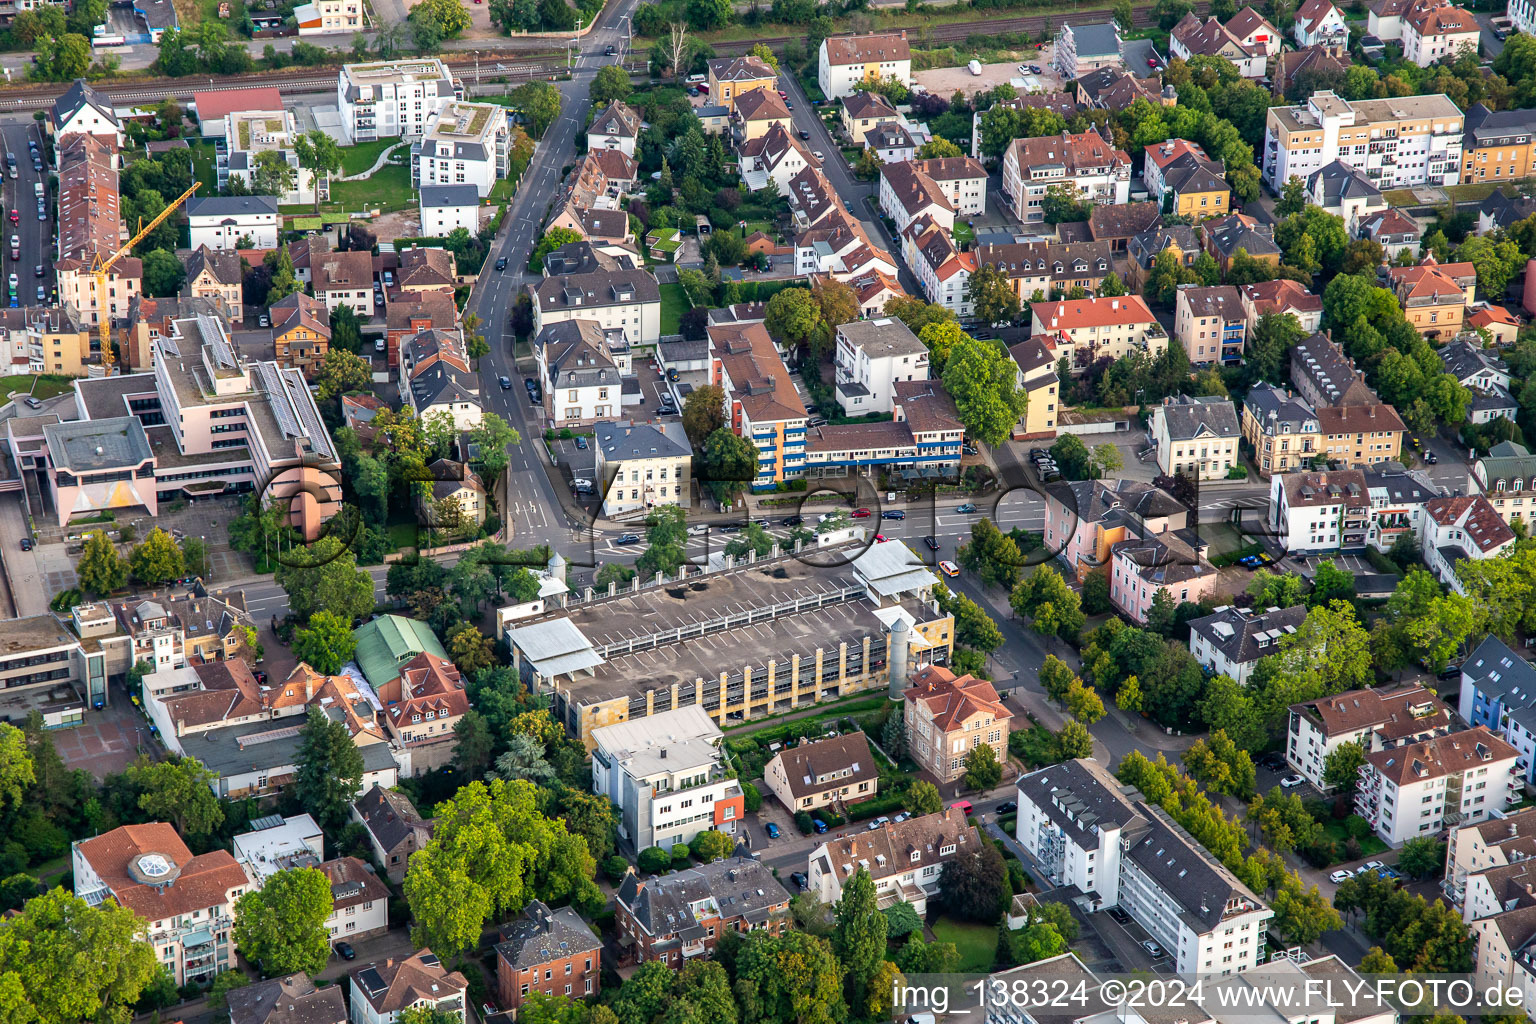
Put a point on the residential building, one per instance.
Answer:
(172, 631)
(1504, 476)
(293, 999)
(1180, 241)
(1283, 296)
(1099, 328)
(435, 377)
(826, 772)
(1031, 166)
(1087, 831)
(1286, 67)
(1226, 236)
(870, 357)
(1420, 788)
(1398, 503)
(922, 441)
(1196, 437)
(941, 267)
(1037, 377)
(457, 482)
(359, 901)
(640, 466)
(380, 990)
(464, 144)
(1435, 296)
(775, 155)
(1230, 641)
(942, 188)
(421, 711)
(1375, 719)
(1116, 89)
(1399, 143)
(276, 843)
(1211, 324)
(948, 717)
(890, 143)
(395, 830)
(1498, 145)
(626, 300)
(1343, 190)
(47, 339)
(247, 137)
(186, 903)
(83, 109)
(1174, 563)
(1319, 23)
(1435, 30)
(548, 951)
(90, 225)
(217, 276)
(1498, 911)
(616, 127)
(1049, 267)
(1384, 19)
(445, 208)
(1497, 687)
(1485, 375)
(1360, 435)
(301, 332)
(1503, 327)
(386, 99)
(1498, 841)
(761, 403)
(1117, 225)
(879, 602)
(203, 422)
(905, 859)
(759, 110)
(1084, 519)
(319, 17)
(1184, 181)
(386, 644)
(667, 778)
(344, 279)
(1084, 48)
(1318, 512)
(1193, 38)
(1462, 528)
(221, 222)
(1323, 375)
(683, 915)
(1393, 230)
(830, 240)
(1282, 429)
(581, 370)
(863, 111)
(1253, 30)
(843, 63)
(874, 289)
(732, 77)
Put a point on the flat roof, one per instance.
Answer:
(220, 750)
(36, 632)
(92, 446)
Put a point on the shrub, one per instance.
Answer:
(615, 868)
(681, 855)
(654, 861)
(803, 822)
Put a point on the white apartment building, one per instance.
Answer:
(1097, 328)
(1418, 789)
(1196, 437)
(667, 778)
(1319, 511)
(581, 369)
(380, 990)
(447, 207)
(1438, 31)
(386, 99)
(940, 267)
(246, 136)
(220, 222)
(624, 300)
(1523, 14)
(85, 110)
(871, 356)
(843, 62)
(276, 843)
(1230, 641)
(1319, 23)
(1499, 840)
(1377, 719)
(640, 466)
(320, 17)
(465, 144)
(1398, 142)
(359, 900)
(904, 859)
(1457, 529)
(186, 902)
(1101, 172)
(1084, 829)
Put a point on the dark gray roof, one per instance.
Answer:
(542, 935)
(886, 336)
(595, 290)
(1289, 412)
(1496, 126)
(222, 750)
(1188, 418)
(1185, 871)
(1505, 210)
(1463, 360)
(390, 816)
(583, 258)
(290, 1000)
(1145, 246)
(78, 96)
(1321, 366)
(1096, 40)
(1231, 233)
(1189, 173)
(1340, 182)
(1238, 632)
(1130, 500)
(1402, 485)
(435, 196)
(1500, 673)
(442, 382)
(1081, 796)
(621, 441)
(93, 446)
(739, 886)
(617, 120)
(231, 206)
(156, 14)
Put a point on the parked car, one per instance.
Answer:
(1291, 781)
(1371, 865)
(26, 543)
(1152, 948)
(581, 443)
(805, 135)
(965, 509)
(791, 521)
(858, 513)
(1119, 915)
(33, 403)
(932, 542)
(820, 827)
(1339, 876)
(893, 514)
(698, 530)
(37, 271)
(674, 376)
(264, 321)
(772, 830)
(798, 877)
(1431, 458)
(42, 294)
(1007, 807)
(345, 951)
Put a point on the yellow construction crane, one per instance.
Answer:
(100, 268)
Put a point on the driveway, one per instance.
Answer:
(1492, 45)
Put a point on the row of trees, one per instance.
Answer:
(157, 560)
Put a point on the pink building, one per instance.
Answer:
(1174, 561)
(1084, 519)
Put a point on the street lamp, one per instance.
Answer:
(203, 549)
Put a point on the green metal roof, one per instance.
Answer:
(390, 641)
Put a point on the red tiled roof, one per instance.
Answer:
(954, 701)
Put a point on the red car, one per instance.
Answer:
(15, 217)
(860, 513)
(1152, 62)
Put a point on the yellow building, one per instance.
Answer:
(1435, 296)
(733, 77)
(1037, 376)
(301, 332)
(864, 111)
(1195, 180)
(759, 110)
(49, 340)
(1281, 428)
(1498, 145)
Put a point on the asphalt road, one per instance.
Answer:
(36, 235)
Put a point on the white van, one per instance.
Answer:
(38, 189)
(696, 79)
(975, 67)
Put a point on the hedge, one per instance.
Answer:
(883, 803)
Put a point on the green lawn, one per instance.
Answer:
(674, 303)
(964, 233)
(47, 385)
(1370, 846)
(388, 191)
(977, 943)
(203, 170)
(357, 159)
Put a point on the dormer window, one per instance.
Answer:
(916, 856)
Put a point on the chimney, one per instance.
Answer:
(309, 686)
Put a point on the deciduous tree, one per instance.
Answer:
(177, 790)
(101, 569)
(326, 643)
(281, 926)
(982, 769)
(330, 769)
(156, 560)
(982, 380)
